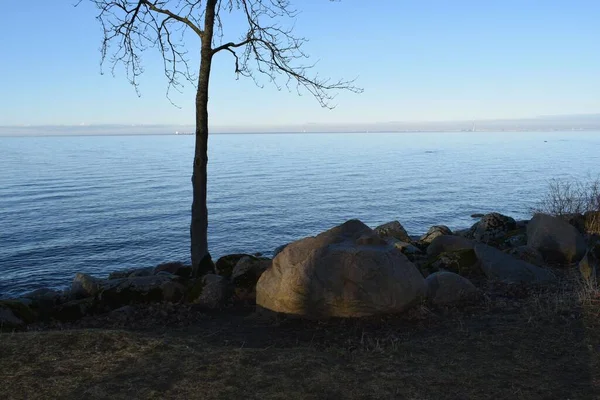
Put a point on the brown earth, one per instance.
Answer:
(514, 342)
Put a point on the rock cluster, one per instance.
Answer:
(350, 270)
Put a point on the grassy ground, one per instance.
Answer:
(513, 344)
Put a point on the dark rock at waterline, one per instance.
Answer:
(145, 289)
(332, 275)
(433, 232)
(393, 229)
(85, 285)
(498, 265)
(226, 264)
(131, 273)
(211, 291)
(175, 268)
(558, 241)
(245, 275)
(477, 215)
(492, 227)
(118, 292)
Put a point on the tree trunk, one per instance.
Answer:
(201, 260)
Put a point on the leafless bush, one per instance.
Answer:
(566, 198)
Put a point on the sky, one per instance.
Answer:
(417, 60)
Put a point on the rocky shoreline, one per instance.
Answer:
(348, 271)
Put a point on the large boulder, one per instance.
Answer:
(558, 241)
(393, 229)
(245, 275)
(279, 249)
(447, 243)
(492, 227)
(498, 265)
(445, 288)
(340, 273)
(434, 232)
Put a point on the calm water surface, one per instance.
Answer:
(97, 204)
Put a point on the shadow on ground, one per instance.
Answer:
(501, 354)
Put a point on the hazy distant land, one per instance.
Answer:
(584, 122)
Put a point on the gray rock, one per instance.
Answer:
(131, 272)
(175, 268)
(500, 266)
(211, 291)
(462, 262)
(15, 314)
(115, 293)
(245, 275)
(445, 243)
(493, 227)
(522, 223)
(516, 240)
(445, 288)
(433, 232)
(557, 240)
(226, 264)
(331, 275)
(528, 254)
(477, 215)
(45, 297)
(393, 229)
(141, 272)
(8, 320)
(85, 285)
(74, 309)
(145, 289)
(408, 249)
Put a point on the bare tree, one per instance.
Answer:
(268, 48)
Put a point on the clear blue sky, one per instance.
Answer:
(416, 60)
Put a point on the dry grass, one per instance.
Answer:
(515, 344)
(569, 197)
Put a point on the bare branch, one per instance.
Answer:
(268, 49)
(174, 16)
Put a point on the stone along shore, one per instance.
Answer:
(350, 270)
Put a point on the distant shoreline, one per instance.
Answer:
(297, 133)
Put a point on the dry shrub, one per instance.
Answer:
(566, 198)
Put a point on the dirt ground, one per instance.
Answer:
(513, 343)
